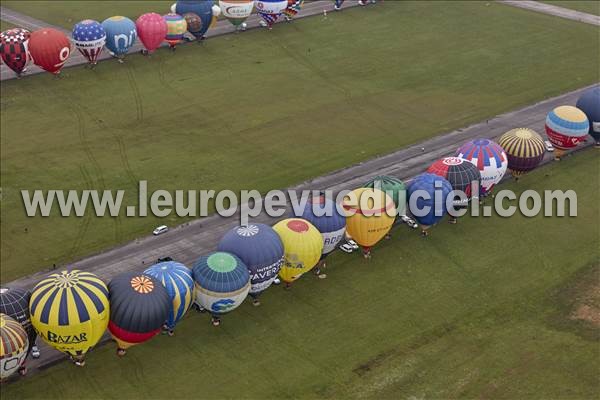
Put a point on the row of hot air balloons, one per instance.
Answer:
(50, 48)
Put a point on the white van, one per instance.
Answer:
(160, 230)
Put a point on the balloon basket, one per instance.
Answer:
(256, 302)
(121, 352)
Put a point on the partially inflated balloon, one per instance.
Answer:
(270, 10)
(489, 158)
(394, 188)
(14, 302)
(151, 29)
(49, 49)
(293, 8)
(236, 11)
(302, 244)
(70, 310)
(177, 279)
(13, 346)
(566, 127)
(337, 4)
(14, 49)
(370, 214)
(176, 28)
(589, 103)
(460, 173)
(139, 306)
(202, 8)
(194, 24)
(261, 250)
(89, 38)
(524, 148)
(430, 192)
(120, 35)
(222, 282)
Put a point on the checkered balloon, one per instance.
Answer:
(14, 49)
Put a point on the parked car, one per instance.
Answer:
(160, 230)
(409, 221)
(549, 146)
(352, 244)
(164, 259)
(346, 248)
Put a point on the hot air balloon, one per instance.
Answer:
(120, 35)
(176, 28)
(566, 127)
(260, 249)
(194, 24)
(323, 214)
(302, 245)
(222, 283)
(270, 10)
(14, 302)
(14, 49)
(370, 214)
(49, 49)
(139, 307)
(524, 149)
(293, 8)
(393, 187)
(589, 103)
(70, 310)
(151, 29)
(203, 9)
(177, 279)
(89, 38)
(430, 207)
(337, 4)
(13, 347)
(489, 158)
(236, 11)
(461, 174)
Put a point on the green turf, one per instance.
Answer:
(590, 7)
(480, 309)
(266, 110)
(68, 13)
(6, 25)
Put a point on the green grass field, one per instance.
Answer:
(590, 7)
(266, 110)
(482, 309)
(6, 25)
(68, 13)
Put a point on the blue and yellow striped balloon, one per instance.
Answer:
(177, 279)
(70, 311)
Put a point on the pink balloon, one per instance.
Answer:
(151, 29)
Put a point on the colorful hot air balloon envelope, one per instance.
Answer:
(370, 214)
(323, 214)
(89, 38)
(194, 24)
(303, 246)
(293, 8)
(222, 282)
(337, 4)
(427, 206)
(139, 307)
(14, 302)
(460, 173)
(177, 280)
(394, 188)
(270, 10)
(566, 127)
(49, 49)
(260, 249)
(13, 346)
(236, 11)
(14, 49)
(176, 28)
(203, 9)
(489, 158)
(524, 149)
(70, 311)
(589, 103)
(151, 29)
(120, 35)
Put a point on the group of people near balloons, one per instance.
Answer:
(50, 48)
(70, 310)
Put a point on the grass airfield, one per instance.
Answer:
(264, 110)
(487, 308)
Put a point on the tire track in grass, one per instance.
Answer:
(136, 93)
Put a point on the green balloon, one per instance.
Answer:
(394, 187)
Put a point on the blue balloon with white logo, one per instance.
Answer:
(324, 215)
(120, 35)
(177, 279)
(260, 248)
(429, 207)
(202, 8)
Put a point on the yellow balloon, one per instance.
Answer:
(370, 214)
(302, 244)
(70, 311)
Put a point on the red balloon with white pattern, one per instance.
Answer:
(49, 49)
(13, 48)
